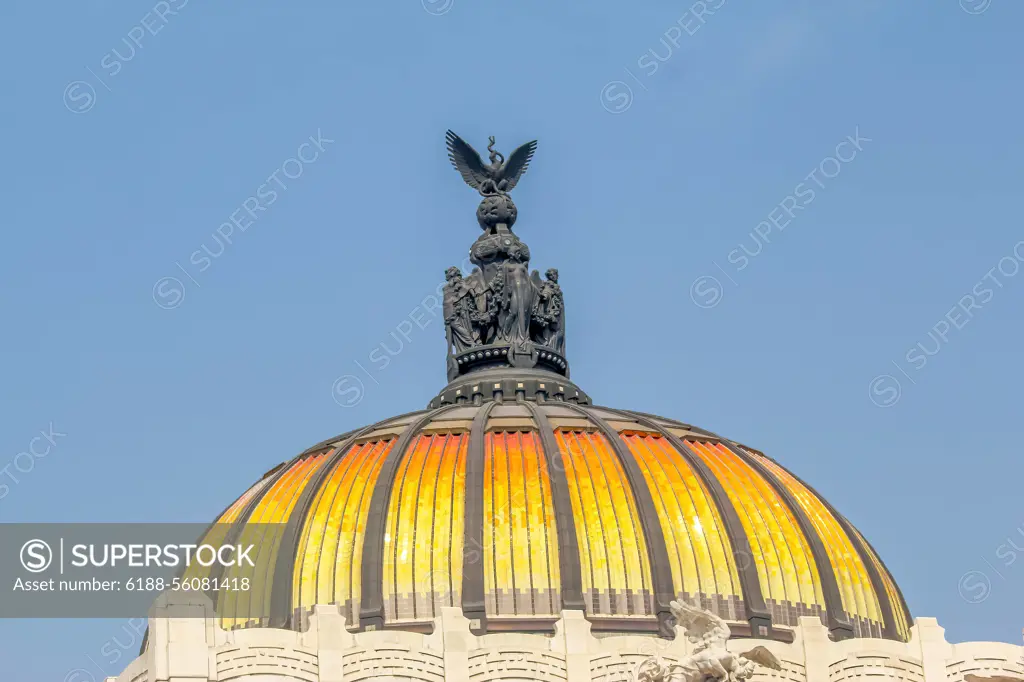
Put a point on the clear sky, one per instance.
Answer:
(702, 279)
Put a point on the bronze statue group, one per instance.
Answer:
(500, 302)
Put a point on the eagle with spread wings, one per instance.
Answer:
(497, 177)
(710, 660)
(709, 633)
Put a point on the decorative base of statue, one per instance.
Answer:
(524, 356)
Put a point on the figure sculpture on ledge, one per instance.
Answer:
(459, 312)
(549, 312)
(489, 298)
(517, 298)
(710, 661)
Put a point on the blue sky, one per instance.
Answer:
(131, 135)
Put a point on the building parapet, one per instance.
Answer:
(199, 650)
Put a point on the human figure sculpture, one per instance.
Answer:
(549, 312)
(517, 298)
(489, 300)
(459, 308)
(504, 287)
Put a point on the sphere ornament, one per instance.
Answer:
(494, 210)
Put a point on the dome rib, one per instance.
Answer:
(661, 572)
(902, 628)
(371, 597)
(889, 630)
(838, 622)
(235, 531)
(565, 523)
(784, 560)
(474, 606)
(753, 599)
(872, 561)
(281, 594)
(326, 444)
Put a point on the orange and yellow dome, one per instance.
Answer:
(516, 510)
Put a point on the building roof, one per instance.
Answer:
(516, 509)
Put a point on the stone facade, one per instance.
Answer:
(198, 650)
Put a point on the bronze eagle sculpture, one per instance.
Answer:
(498, 177)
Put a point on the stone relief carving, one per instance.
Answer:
(710, 660)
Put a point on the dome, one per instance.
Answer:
(516, 508)
(514, 498)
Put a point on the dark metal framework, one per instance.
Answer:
(657, 551)
(753, 599)
(839, 624)
(281, 590)
(371, 613)
(473, 598)
(371, 599)
(565, 523)
(840, 628)
(877, 583)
